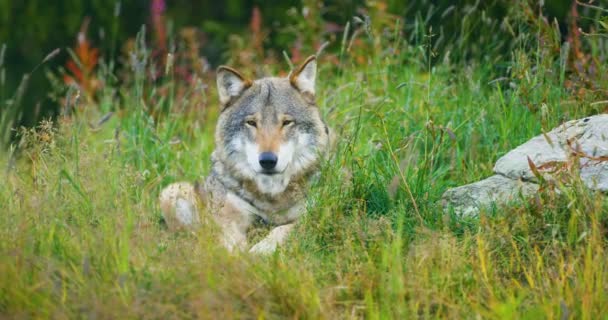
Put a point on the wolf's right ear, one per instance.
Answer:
(303, 78)
(230, 84)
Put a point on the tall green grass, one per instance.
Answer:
(81, 234)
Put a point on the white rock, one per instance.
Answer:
(589, 136)
(585, 138)
(467, 200)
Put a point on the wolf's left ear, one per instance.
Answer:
(303, 78)
(230, 84)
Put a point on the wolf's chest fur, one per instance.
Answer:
(281, 208)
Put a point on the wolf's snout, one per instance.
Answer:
(268, 160)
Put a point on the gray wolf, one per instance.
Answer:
(269, 143)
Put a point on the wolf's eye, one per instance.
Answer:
(287, 122)
(251, 123)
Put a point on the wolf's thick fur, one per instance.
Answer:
(270, 139)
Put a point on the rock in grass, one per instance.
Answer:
(584, 139)
(468, 199)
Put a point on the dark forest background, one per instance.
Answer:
(31, 30)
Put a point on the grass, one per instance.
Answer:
(81, 234)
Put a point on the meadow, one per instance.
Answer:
(81, 234)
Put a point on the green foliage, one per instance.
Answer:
(465, 30)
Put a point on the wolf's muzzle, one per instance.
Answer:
(268, 160)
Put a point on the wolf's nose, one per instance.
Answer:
(268, 160)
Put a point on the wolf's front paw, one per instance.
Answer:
(275, 238)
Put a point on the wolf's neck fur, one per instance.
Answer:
(248, 190)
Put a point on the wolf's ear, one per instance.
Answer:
(230, 84)
(303, 78)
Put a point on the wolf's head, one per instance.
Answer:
(269, 130)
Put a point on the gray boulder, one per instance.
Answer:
(467, 200)
(585, 138)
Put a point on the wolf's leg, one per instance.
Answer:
(233, 224)
(178, 203)
(275, 238)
